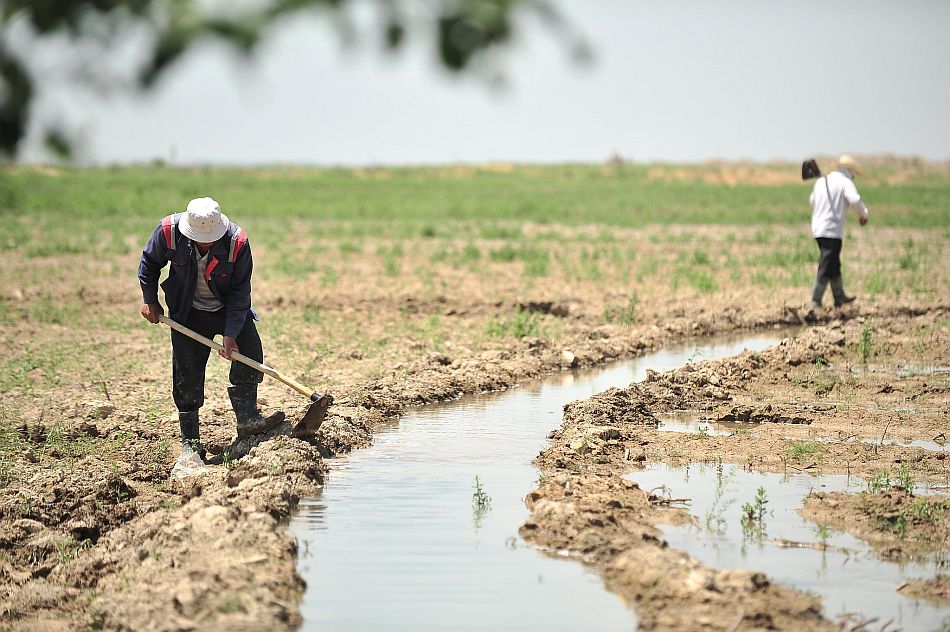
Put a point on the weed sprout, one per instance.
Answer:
(866, 345)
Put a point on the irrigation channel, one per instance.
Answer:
(393, 541)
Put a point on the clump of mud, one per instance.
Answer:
(897, 524)
(936, 589)
(215, 551)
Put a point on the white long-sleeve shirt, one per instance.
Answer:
(827, 218)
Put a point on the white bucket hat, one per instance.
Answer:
(203, 221)
(850, 164)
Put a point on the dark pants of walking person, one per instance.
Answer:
(190, 357)
(829, 271)
(829, 265)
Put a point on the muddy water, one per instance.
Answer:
(847, 575)
(687, 422)
(923, 444)
(394, 542)
(693, 423)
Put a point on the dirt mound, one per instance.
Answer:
(896, 523)
(607, 522)
(221, 555)
(936, 590)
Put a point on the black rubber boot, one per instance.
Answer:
(188, 421)
(837, 290)
(818, 292)
(250, 421)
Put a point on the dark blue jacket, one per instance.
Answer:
(228, 273)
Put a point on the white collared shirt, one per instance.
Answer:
(827, 219)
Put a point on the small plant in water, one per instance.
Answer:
(823, 532)
(480, 500)
(715, 515)
(753, 515)
(481, 503)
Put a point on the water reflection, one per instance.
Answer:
(393, 541)
(847, 575)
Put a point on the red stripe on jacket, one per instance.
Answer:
(238, 244)
(209, 269)
(167, 229)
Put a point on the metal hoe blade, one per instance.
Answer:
(313, 418)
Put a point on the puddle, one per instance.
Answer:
(392, 542)
(902, 370)
(693, 423)
(848, 576)
(688, 422)
(914, 443)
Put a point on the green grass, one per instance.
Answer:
(543, 231)
(695, 277)
(521, 325)
(865, 345)
(349, 248)
(41, 366)
(503, 254)
(624, 314)
(700, 257)
(801, 252)
(879, 282)
(798, 450)
(79, 210)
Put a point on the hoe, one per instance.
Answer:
(317, 410)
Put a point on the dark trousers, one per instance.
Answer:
(190, 357)
(829, 264)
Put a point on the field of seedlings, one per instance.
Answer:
(391, 288)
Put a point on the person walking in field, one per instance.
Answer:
(209, 291)
(831, 196)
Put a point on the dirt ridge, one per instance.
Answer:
(586, 509)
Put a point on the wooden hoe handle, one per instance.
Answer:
(243, 359)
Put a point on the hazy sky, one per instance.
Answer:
(671, 80)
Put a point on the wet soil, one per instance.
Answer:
(809, 404)
(93, 532)
(898, 524)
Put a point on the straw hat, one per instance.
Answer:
(203, 221)
(850, 164)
